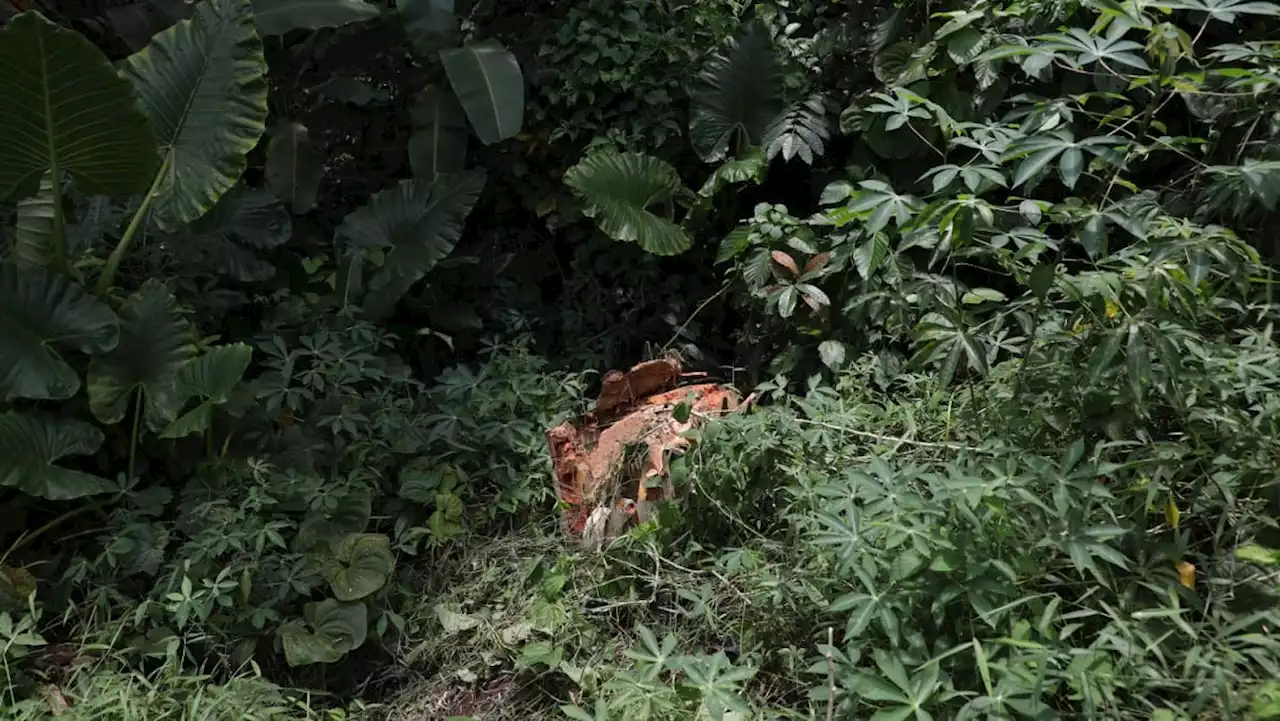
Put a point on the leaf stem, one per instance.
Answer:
(135, 224)
(133, 435)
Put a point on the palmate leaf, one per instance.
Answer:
(62, 105)
(487, 80)
(277, 17)
(41, 311)
(618, 189)
(155, 342)
(30, 446)
(293, 168)
(362, 565)
(736, 96)
(203, 83)
(331, 630)
(209, 379)
(418, 223)
(439, 141)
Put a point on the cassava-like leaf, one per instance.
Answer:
(203, 82)
(209, 379)
(31, 445)
(155, 341)
(439, 142)
(736, 96)
(417, 222)
(618, 188)
(487, 80)
(362, 565)
(277, 17)
(41, 311)
(293, 167)
(331, 630)
(62, 105)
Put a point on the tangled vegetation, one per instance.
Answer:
(291, 291)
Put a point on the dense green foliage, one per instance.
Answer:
(290, 291)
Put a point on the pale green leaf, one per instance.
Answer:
(619, 188)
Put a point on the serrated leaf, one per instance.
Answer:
(31, 446)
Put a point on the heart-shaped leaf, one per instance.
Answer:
(330, 631)
(736, 97)
(31, 445)
(155, 342)
(618, 189)
(40, 312)
(203, 83)
(362, 565)
(418, 222)
(209, 379)
(63, 105)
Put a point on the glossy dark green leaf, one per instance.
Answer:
(490, 87)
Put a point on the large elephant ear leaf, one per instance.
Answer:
(40, 312)
(277, 17)
(418, 222)
(155, 341)
(489, 84)
(737, 95)
(439, 141)
(331, 630)
(63, 106)
(209, 379)
(362, 565)
(30, 447)
(618, 189)
(293, 167)
(203, 82)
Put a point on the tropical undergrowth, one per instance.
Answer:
(1002, 296)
